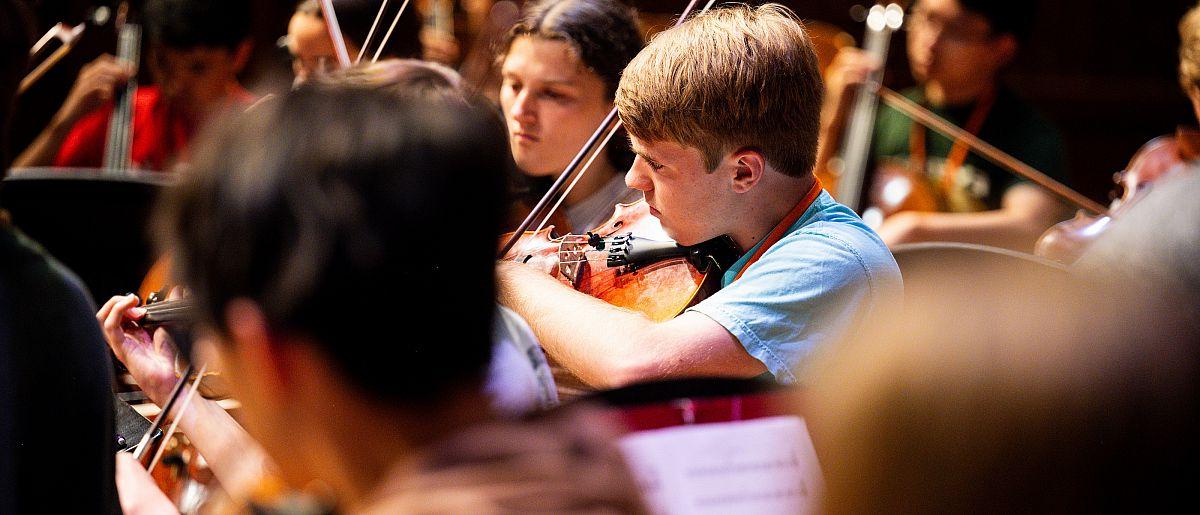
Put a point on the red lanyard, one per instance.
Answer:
(781, 229)
(958, 153)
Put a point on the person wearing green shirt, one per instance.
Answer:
(957, 50)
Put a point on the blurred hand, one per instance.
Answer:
(902, 227)
(137, 490)
(849, 69)
(440, 47)
(150, 359)
(97, 83)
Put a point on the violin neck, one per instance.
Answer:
(169, 312)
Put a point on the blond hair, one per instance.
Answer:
(730, 78)
(1189, 49)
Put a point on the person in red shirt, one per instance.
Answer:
(197, 48)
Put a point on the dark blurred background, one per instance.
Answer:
(1106, 75)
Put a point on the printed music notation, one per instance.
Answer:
(755, 466)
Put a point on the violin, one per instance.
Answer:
(622, 263)
(629, 263)
(173, 462)
(1158, 159)
(900, 190)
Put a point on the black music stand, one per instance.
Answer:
(93, 221)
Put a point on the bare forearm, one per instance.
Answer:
(996, 228)
(596, 341)
(1026, 213)
(236, 460)
(42, 150)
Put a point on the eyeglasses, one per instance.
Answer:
(960, 29)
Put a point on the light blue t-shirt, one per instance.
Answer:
(827, 275)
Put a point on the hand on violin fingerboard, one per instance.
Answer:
(149, 358)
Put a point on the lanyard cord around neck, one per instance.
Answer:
(782, 227)
(959, 150)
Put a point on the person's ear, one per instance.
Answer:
(260, 361)
(748, 166)
(1006, 47)
(241, 55)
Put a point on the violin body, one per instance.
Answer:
(629, 262)
(1158, 159)
(182, 474)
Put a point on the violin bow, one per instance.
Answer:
(187, 401)
(371, 32)
(144, 443)
(99, 16)
(335, 33)
(590, 149)
(999, 157)
(386, 37)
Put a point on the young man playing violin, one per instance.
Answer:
(722, 112)
(281, 223)
(957, 50)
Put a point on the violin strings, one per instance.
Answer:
(156, 309)
(158, 318)
(116, 155)
(175, 423)
(164, 306)
(371, 33)
(167, 305)
(578, 261)
(169, 310)
(388, 36)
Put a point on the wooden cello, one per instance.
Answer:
(846, 177)
(119, 144)
(898, 188)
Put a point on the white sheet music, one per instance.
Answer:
(761, 466)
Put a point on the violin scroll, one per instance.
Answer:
(1158, 159)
